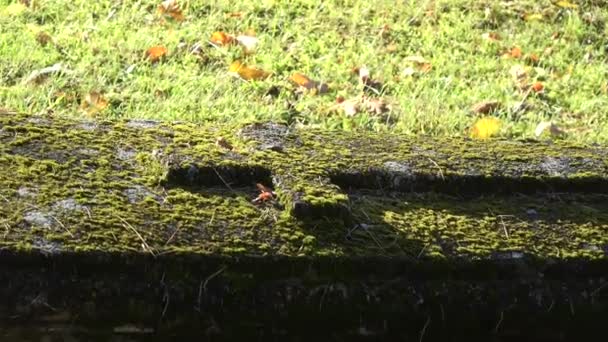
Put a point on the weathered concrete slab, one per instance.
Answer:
(152, 223)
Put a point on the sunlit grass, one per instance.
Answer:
(103, 44)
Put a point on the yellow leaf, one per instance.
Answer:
(14, 10)
(566, 4)
(533, 17)
(246, 72)
(485, 127)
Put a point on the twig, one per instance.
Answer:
(223, 181)
(215, 274)
(504, 226)
(62, 225)
(438, 167)
(143, 241)
(596, 291)
(502, 316)
(174, 233)
(426, 324)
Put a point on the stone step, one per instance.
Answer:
(107, 225)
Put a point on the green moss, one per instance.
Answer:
(117, 174)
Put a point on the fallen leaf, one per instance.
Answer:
(234, 15)
(409, 71)
(538, 87)
(566, 4)
(533, 17)
(170, 8)
(416, 59)
(485, 128)
(375, 105)
(392, 47)
(420, 63)
(223, 143)
(532, 58)
(350, 107)
(519, 75)
(485, 107)
(249, 43)
(266, 194)
(491, 36)
(15, 9)
(221, 38)
(368, 83)
(302, 81)
(548, 126)
(38, 76)
(515, 52)
(155, 53)
(353, 106)
(93, 102)
(43, 38)
(245, 72)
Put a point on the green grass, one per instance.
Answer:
(100, 41)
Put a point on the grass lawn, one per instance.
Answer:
(430, 62)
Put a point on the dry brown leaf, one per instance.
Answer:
(93, 102)
(43, 38)
(519, 75)
(375, 105)
(369, 84)
(223, 143)
(420, 63)
(249, 43)
(491, 36)
(237, 68)
(155, 53)
(548, 126)
(170, 8)
(416, 59)
(485, 107)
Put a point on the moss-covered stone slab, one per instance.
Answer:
(163, 214)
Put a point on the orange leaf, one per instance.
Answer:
(246, 72)
(155, 53)
(538, 87)
(302, 80)
(306, 83)
(533, 58)
(171, 9)
(221, 38)
(515, 52)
